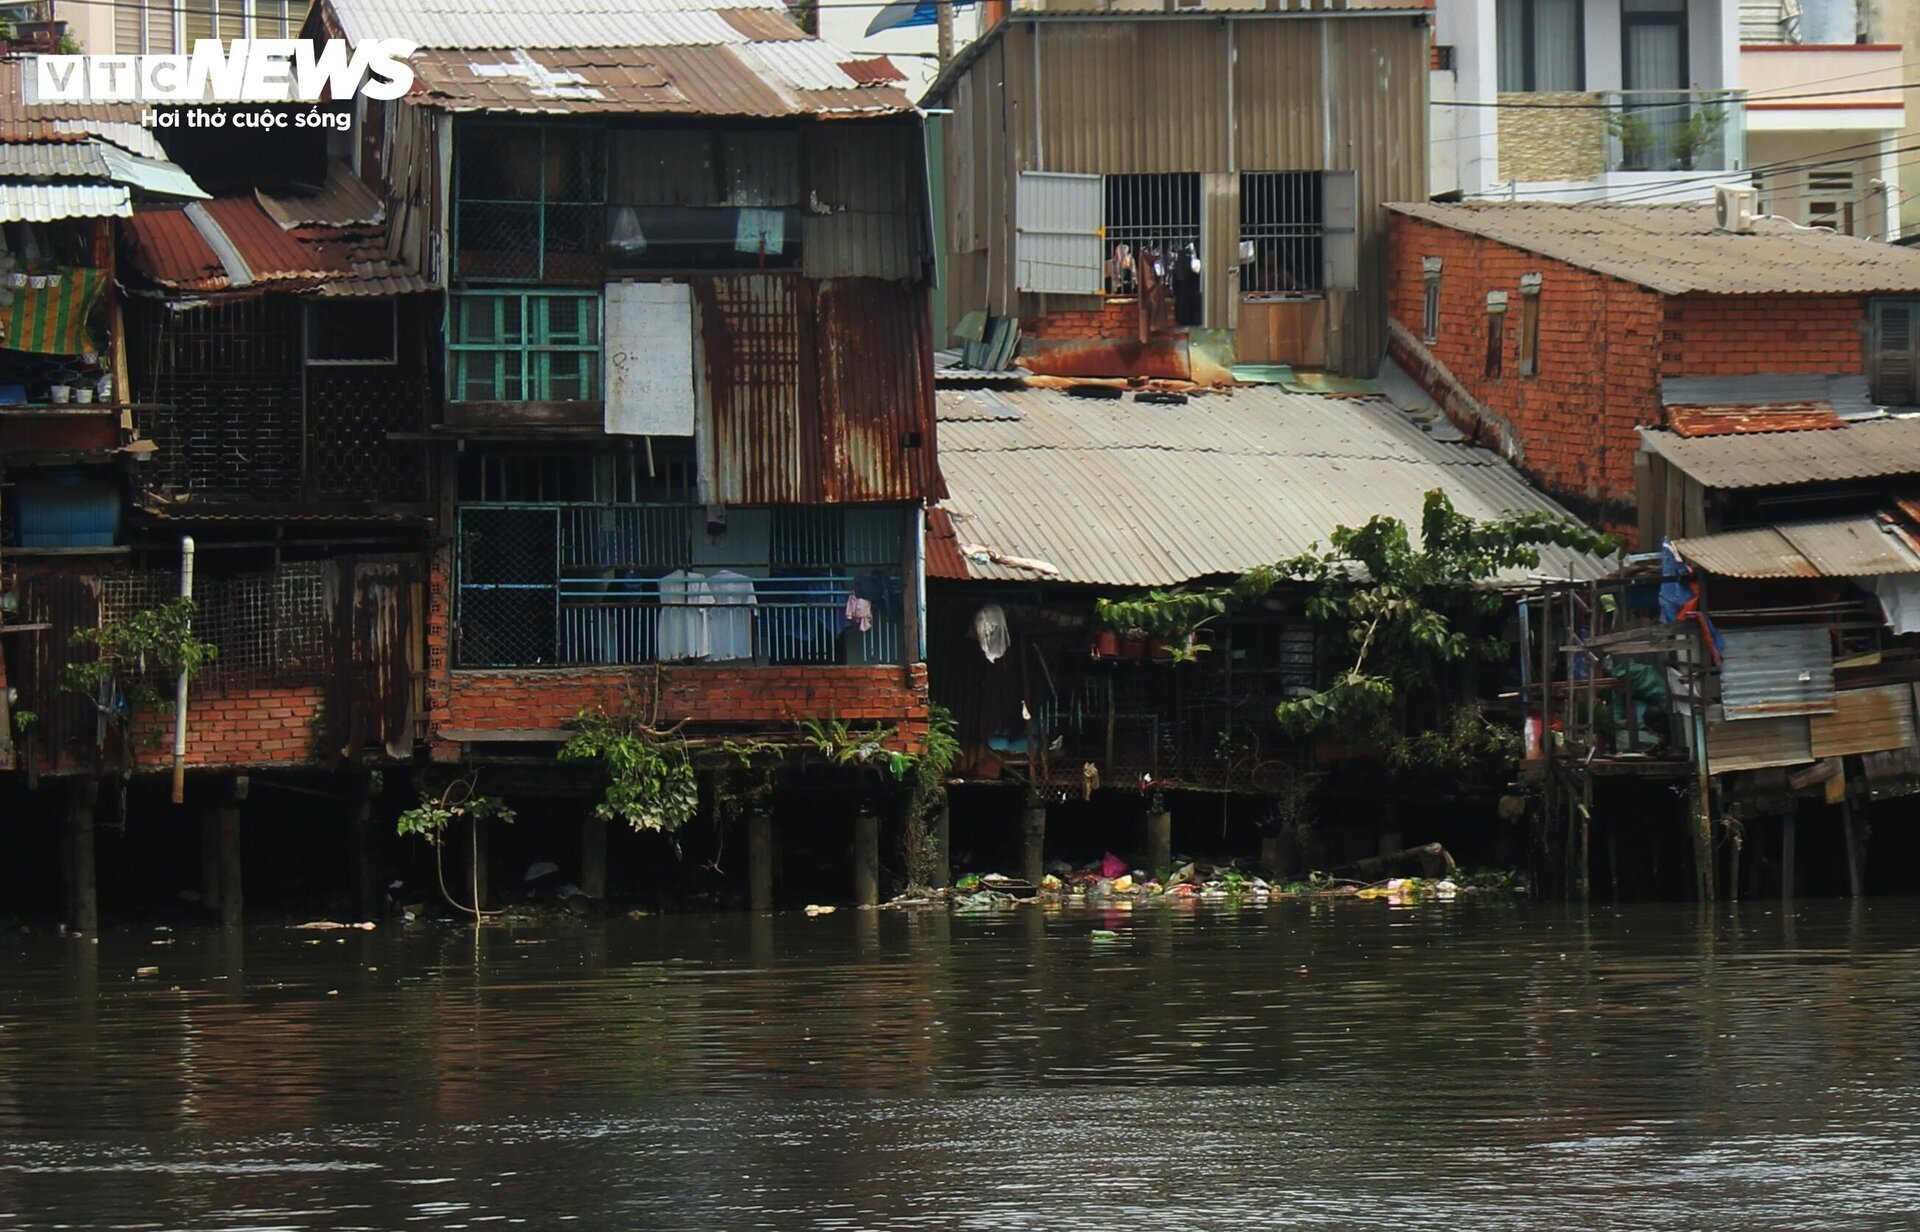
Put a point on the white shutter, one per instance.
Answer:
(1058, 224)
(649, 359)
(1340, 224)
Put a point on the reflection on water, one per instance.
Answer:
(1470, 1065)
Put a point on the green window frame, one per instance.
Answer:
(528, 200)
(524, 345)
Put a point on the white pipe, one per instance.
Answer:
(180, 685)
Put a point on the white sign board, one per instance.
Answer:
(649, 359)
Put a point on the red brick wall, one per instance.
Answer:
(1571, 427)
(1116, 318)
(238, 727)
(1740, 335)
(764, 697)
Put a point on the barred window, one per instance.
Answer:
(524, 346)
(1282, 234)
(1153, 238)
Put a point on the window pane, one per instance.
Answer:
(1556, 45)
(1511, 19)
(500, 163)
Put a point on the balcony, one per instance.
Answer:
(1622, 139)
(1801, 87)
(576, 585)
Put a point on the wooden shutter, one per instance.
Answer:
(1892, 357)
(1058, 222)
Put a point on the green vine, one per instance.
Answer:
(650, 778)
(430, 818)
(134, 650)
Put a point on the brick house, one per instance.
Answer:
(1554, 332)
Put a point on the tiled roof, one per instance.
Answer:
(1862, 449)
(1123, 493)
(1677, 250)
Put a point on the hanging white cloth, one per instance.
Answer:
(730, 624)
(681, 632)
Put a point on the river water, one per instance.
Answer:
(1472, 1065)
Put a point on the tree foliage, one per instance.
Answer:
(1404, 608)
(651, 783)
(134, 649)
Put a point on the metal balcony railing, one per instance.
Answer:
(546, 585)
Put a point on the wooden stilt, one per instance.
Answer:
(363, 845)
(210, 859)
(1033, 834)
(1856, 872)
(1159, 842)
(593, 856)
(83, 901)
(940, 834)
(760, 859)
(866, 857)
(1789, 842)
(231, 898)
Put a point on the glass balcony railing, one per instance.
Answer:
(1675, 130)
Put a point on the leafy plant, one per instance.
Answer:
(68, 45)
(430, 818)
(1405, 609)
(1644, 139)
(841, 744)
(651, 783)
(24, 721)
(135, 649)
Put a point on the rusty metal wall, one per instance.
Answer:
(800, 411)
(371, 653)
(1210, 94)
(1865, 721)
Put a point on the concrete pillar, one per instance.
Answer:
(759, 859)
(866, 857)
(1159, 842)
(940, 835)
(1033, 833)
(363, 852)
(83, 892)
(210, 859)
(593, 856)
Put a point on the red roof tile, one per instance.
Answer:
(1739, 420)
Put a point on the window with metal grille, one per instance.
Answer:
(528, 202)
(699, 199)
(1496, 332)
(352, 331)
(1430, 315)
(1153, 238)
(524, 346)
(1282, 233)
(1891, 358)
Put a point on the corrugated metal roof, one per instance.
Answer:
(16, 83)
(1847, 394)
(150, 175)
(343, 201)
(53, 161)
(169, 249)
(132, 138)
(269, 252)
(786, 78)
(1676, 249)
(446, 24)
(233, 241)
(51, 202)
(1865, 449)
(1129, 494)
(1860, 546)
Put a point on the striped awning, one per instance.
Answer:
(52, 319)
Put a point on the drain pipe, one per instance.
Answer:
(180, 685)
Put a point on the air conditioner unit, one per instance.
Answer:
(1733, 208)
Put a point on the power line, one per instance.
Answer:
(1653, 189)
(1685, 102)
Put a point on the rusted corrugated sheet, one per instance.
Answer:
(1123, 96)
(170, 250)
(370, 669)
(1730, 420)
(343, 201)
(944, 560)
(802, 412)
(1865, 721)
(65, 734)
(750, 339)
(876, 391)
(1776, 671)
(1755, 744)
